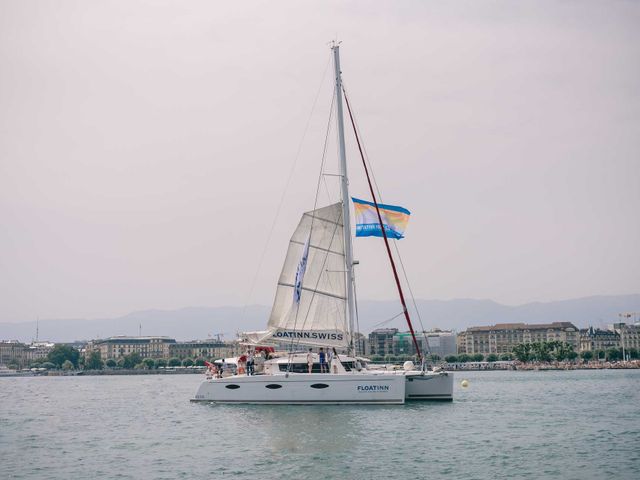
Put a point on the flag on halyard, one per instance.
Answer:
(302, 267)
(394, 219)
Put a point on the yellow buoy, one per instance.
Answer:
(464, 383)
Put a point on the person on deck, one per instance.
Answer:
(250, 363)
(335, 360)
(242, 365)
(323, 361)
(330, 358)
(310, 360)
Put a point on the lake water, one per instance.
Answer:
(568, 425)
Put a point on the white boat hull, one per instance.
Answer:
(305, 389)
(429, 386)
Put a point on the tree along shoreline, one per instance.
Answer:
(64, 359)
(540, 366)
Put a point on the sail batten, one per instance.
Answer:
(316, 247)
(315, 218)
(310, 308)
(317, 292)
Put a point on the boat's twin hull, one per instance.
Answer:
(301, 388)
(429, 386)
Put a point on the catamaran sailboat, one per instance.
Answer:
(315, 306)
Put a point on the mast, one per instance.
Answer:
(346, 218)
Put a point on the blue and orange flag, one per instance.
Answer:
(394, 219)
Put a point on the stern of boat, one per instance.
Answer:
(436, 386)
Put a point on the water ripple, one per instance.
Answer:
(565, 425)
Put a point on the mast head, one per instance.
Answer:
(335, 44)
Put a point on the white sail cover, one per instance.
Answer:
(319, 316)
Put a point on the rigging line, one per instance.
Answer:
(364, 148)
(384, 233)
(413, 299)
(326, 187)
(395, 244)
(357, 312)
(324, 261)
(315, 204)
(388, 320)
(326, 143)
(324, 150)
(284, 192)
(330, 284)
(329, 195)
(355, 301)
(315, 201)
(326, 255)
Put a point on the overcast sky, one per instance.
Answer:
(145, 147)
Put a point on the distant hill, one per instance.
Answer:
(200, 322)
(183, 324)
(460, 314)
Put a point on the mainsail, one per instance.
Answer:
(317, 316)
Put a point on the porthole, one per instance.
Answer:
(273, 386)
(319, 385)
(232, 386)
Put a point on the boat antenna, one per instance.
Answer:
(384, 234)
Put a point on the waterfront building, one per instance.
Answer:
(381, 341)
(402, 344)
(441, 342)
(38, 351)
(116, 347)
(361, 343)
(429, 343)
(592, 339)
(502, 337)
(629, 335)
(390, 341)
(202, 348)
(12, 352)
(21, 354)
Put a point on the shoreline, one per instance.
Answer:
(97, 373)
(471, 367)
(546, 366)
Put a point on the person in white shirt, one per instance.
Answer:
(310, 360)
(330, 359)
